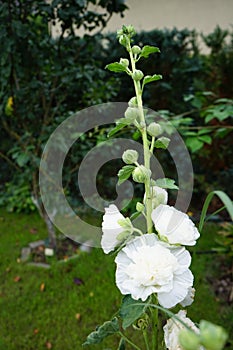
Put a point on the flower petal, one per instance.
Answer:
(174, 225)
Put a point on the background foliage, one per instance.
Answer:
(44, 79)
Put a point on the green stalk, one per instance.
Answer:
(154, 317)
(146, 149)
(146, 339)
(129, 341)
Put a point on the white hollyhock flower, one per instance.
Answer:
(173, 328)
(174, 226)
(111, 229)
(159, 196)
(146, 265)
(188, 300)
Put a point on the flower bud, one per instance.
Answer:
(140, 207)
(131, 113)
(162, 142)
(130, 156)
(212, 337)
(142, 323)
(136, 49)
(141, 174)
(189, 340)
(133, 102)
(124, 62)
(154, 129)
(137, 75)
(125, 223)
(123, 40)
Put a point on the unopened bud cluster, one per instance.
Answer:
(130, 156)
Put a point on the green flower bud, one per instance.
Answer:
(130, 156)
(136, 49)
(125, 223)
(129, 30)
(140, 207)
(137, 75)
(189, 340)
(123, 40)
(141, 174)
(154, 129)
(125, 62)
(142, 323)
(162, 142)
(133, 102)
(212, 337)
(131, 113)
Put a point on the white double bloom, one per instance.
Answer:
(174, 226)
(146, 266)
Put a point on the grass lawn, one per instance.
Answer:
(46, 309)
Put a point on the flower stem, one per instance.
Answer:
(146, 340)
(147, 153)
(129, 341)
(154, 317)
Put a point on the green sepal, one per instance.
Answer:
(162, 142)
(103, 331)
(124, 173)
(147, 50)
(135, 215)
(116, 67)
(165, 183)
(131, 310)
(150, 78)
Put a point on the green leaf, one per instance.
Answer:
(166, 183)
(103, 331)
(147, 50)
(149, 78)
(131, 310)
(121, 345)
(124, 173)
(116, 129)
(116, 67)
(224, 198)
(205, 138)
(193, 143)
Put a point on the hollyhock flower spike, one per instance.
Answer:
(173, 226)
(146, 266)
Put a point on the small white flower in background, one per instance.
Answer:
(146, 266)
(173, 328)
(159, 196)
(174, 226)
(111, 229)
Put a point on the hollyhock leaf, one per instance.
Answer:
(103, 331)
(147, 50)
(131, 310)
(150, 78)
(124, 173)
(116, 67)
(166, 183)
